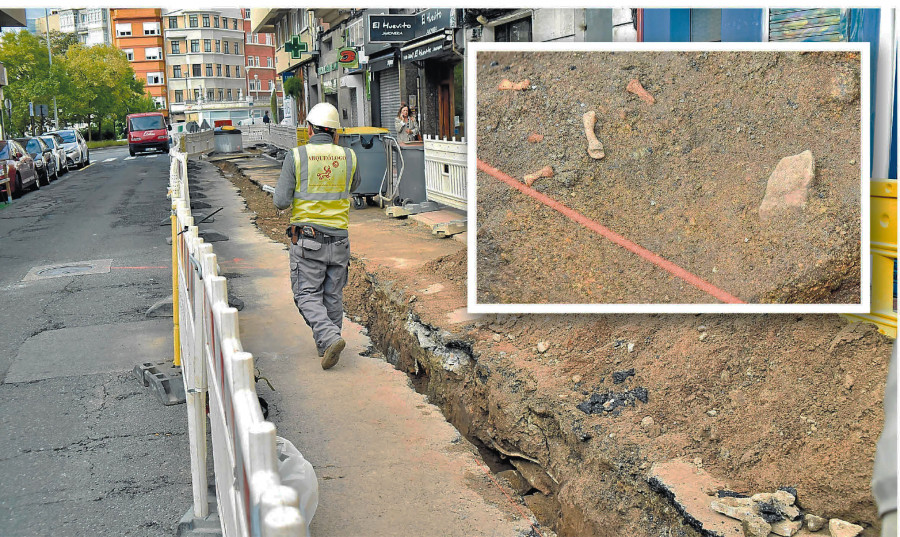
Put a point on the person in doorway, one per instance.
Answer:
(406, 125)
(315, 182)
(266, 118)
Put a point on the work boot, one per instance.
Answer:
(333, 353)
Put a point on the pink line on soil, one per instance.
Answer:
(646, 254)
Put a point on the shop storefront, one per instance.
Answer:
(384, 84)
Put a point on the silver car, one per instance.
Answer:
(55, 142)
(77, 153)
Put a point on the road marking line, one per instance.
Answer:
(572, 214)
(152, 156)
(130, 158)
(110, 159)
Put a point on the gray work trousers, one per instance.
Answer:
(318, 276)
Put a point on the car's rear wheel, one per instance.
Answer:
(17, 193)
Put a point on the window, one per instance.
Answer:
(209, 95)
(123, 29)
(154, 79)
(257, 61)
(129, 54)
(160, 102)
(218, 46)
(206, 21)
(218, 69)
(176, 71)
(152, 53)
(268, 39)
(207, 45)
(225, 46)
(513, 32)
(193, 21)
(237, 71)
(221, 95)
(173, 23)
(271, 85)
(234, 24)
(216, 25)
(209, 69)
(228, 94)
(176, 47)
(225, 22)
(236, 49)
(227, 70)
(151, 28)
(179, 96)
(195, 68)
(269, 61)
(196, 94)
(195, 45)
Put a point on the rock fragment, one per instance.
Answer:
(814, 523)
(634, 86)
(755, 526)
(841, 528)
(786, 528)
(788, 186)
(542, 347)
(535, 137)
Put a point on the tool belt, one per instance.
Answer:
(308, 232)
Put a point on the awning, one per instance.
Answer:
(438, 45)
(388, 61)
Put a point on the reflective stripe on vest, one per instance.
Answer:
(323, 174)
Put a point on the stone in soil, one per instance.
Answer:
(516, 481)
(755, 526)
(620, 376)
(737, 508)
(842, 528)
(610, 402)
(814, 523)
(788, 186)
(542, 347)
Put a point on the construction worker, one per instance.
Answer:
(315, 182)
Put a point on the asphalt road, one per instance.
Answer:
(86, 450)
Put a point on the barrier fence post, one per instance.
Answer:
(176, 334)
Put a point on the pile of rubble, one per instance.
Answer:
(774, 514)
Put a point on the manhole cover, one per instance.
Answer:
(75, 268)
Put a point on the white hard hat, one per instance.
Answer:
(324, 115)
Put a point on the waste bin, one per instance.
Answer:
(369, 145)
(410, 188)
(228, 140)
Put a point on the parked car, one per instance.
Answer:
(44, 159)
(55, 143)
(147, 131)
(18, 165)
(77, 152)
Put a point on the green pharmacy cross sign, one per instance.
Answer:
(295, 47)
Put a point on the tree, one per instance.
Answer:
(273, 107)
(294, 87)
(30, 77)
(104, 84)
(59, 42)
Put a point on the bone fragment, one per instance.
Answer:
(635, 87)
(595, 148)
(505, 84)
(546, 171)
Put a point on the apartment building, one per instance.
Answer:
(91, 25)
(205, 63)
(138, 33)
(262, 80)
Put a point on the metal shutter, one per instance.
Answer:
(808, 24)
(389, 91)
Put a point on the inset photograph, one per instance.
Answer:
(651, 177)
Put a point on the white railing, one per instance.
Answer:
(251, 499)
(445, 171)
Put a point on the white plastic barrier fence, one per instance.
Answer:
(254, 133)
(251, 499)
(195, 143)
(445, 171)
(282, 136)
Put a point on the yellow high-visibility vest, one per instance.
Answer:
(322, 188)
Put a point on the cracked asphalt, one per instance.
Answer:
(87, 454)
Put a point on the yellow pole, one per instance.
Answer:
(177, 332)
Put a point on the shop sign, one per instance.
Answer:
(423, 52)
(391, 28)
(403, 28)
(327, 68)
(348, 58)
(330, 87)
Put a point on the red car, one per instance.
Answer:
(147, 131)
(18, 166)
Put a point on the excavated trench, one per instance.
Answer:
(473, 392)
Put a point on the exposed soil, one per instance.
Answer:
(761, 401)
(683, 177)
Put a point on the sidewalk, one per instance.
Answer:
(387, 461)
